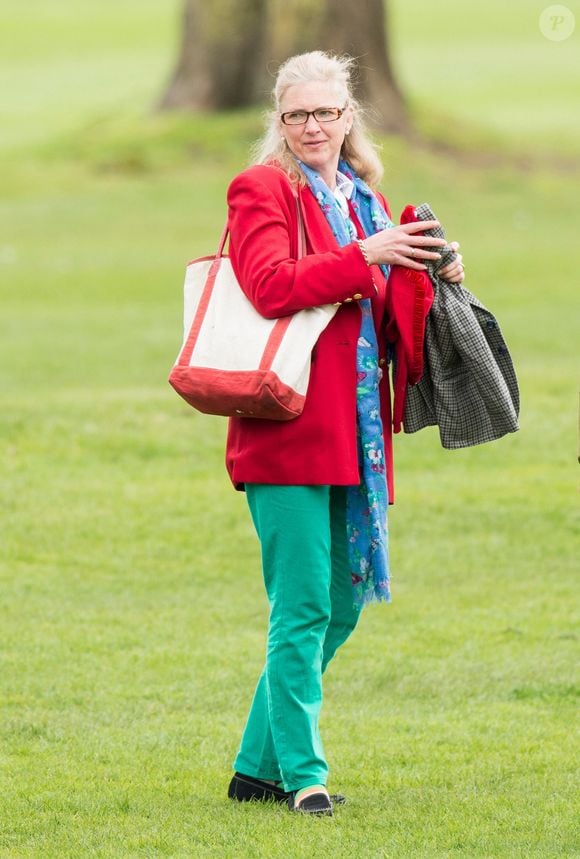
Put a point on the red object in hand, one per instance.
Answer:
(409, 299)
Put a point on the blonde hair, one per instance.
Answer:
(357, 148)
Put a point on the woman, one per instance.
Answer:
(317, 486)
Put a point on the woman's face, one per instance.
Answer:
(317, 144)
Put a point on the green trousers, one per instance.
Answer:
(302, 532)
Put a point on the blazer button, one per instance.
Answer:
(382, 362)
(357, 296)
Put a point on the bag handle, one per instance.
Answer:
(301, 231)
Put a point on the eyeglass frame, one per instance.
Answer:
(313, 113)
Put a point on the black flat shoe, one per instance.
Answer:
(314, 803)
(245, 788)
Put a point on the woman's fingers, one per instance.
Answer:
(454, 272)
(404, 245)
(418, 226)
(456, 265)
(410, 248)
(429, 241)
(411, 240)
(410, 234)
(455, 277)
(419, 253)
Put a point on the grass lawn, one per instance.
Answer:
(132, 615)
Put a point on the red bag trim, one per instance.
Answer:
(238, 393)
(273, 343)
(187, 350)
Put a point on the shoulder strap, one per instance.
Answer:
(301, 228)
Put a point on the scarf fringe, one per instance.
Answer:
(372, 596)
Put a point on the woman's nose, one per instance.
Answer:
(311, 123)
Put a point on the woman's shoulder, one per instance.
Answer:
(270, 175)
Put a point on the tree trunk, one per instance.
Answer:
(221, 44)
(360, 30)
(231, 48)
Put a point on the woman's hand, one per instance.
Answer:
(454, 272)
(402, 246)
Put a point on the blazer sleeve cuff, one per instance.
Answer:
(361, 281)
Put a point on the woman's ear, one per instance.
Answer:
(350, 119)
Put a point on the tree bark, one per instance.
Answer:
(231, 48)
(221, 44)
(360, 30)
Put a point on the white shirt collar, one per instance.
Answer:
(343, 192)
(344, 184)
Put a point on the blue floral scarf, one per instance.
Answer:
(367, 503)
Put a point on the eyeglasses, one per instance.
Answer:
(321, 114)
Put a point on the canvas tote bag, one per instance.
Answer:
(233, 361)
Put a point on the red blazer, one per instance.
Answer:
(319, 446)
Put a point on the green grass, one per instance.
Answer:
(131, 608)
(488, 64)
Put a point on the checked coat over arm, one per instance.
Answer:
(469, 386)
